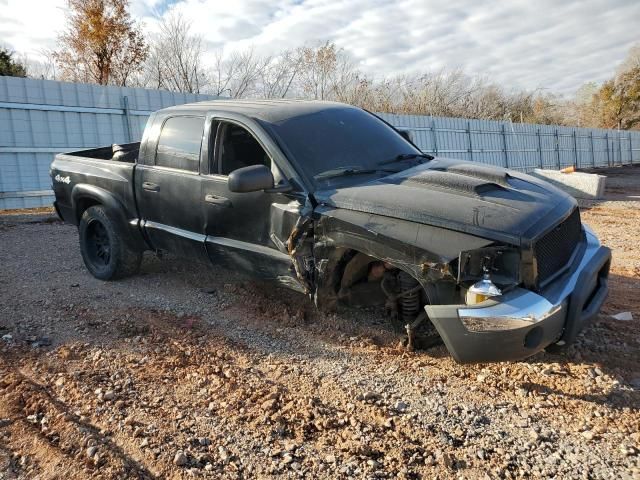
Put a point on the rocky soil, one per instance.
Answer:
(187, 371)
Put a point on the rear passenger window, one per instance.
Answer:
(179, 143)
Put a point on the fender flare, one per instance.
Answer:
(114, 207)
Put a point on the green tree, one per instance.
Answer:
(10, 67)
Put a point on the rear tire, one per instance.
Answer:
(104, 247)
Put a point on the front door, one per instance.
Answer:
(169, 190)
(246, 230)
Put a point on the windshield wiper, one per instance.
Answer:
(406, 156)
(345, 171)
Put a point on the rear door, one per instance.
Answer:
(168, 186)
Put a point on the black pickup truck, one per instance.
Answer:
(331, 200)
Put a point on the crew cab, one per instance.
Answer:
(332, 201)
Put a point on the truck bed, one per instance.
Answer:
(124, 152)
(95, 174)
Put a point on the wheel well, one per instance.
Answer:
(348, 255)
(82, 204)
(358, 275)
(362, 280)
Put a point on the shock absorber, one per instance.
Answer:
(409, 297)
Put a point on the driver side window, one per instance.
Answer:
(237, 148)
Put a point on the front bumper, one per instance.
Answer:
(523, 322)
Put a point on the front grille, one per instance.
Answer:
(554, 250)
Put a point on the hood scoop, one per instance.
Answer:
(456, 195)
(489, 174)
(458, 181)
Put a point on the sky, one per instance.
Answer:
(551, 45)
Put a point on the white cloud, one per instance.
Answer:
(519, 44)
(31, 27)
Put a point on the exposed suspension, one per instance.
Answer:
(409, 297)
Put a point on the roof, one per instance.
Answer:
(271, 111)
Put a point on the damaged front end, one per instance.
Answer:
(364, 261)
(486, 272)
(468, 292)
(519, 320)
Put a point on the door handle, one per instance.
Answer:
(150, 187)
(220, 201)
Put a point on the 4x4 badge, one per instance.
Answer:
(60, 179)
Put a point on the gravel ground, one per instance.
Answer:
(189, 371)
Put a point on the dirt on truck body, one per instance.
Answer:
(331, 200)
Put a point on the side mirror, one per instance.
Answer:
(406, 134)
(250, 179)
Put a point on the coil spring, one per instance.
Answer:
(409, 297)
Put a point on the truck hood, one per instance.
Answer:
(489, 202)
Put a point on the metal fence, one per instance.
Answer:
(39, 118)
(521, 146)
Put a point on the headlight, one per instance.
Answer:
(486, 271)
(482, 290)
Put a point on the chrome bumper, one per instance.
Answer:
(522, 308)
(521, 322)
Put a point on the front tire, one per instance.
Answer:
(104, 248)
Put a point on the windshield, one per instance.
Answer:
(338, 139)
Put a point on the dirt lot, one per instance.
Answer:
(187, 371)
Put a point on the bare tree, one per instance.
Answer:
(347, 83)
(152, 72)
(175, 60)
(247, 68)
(326, 72)
(220, 74)
(279, 74)
(240, 73)
(318, 67)
(579, 110)
(43, 68)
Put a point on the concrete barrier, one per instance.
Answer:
(589, 186)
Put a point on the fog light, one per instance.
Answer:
(533, 338)
(482, 290)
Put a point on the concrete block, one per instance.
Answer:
(582, 185)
